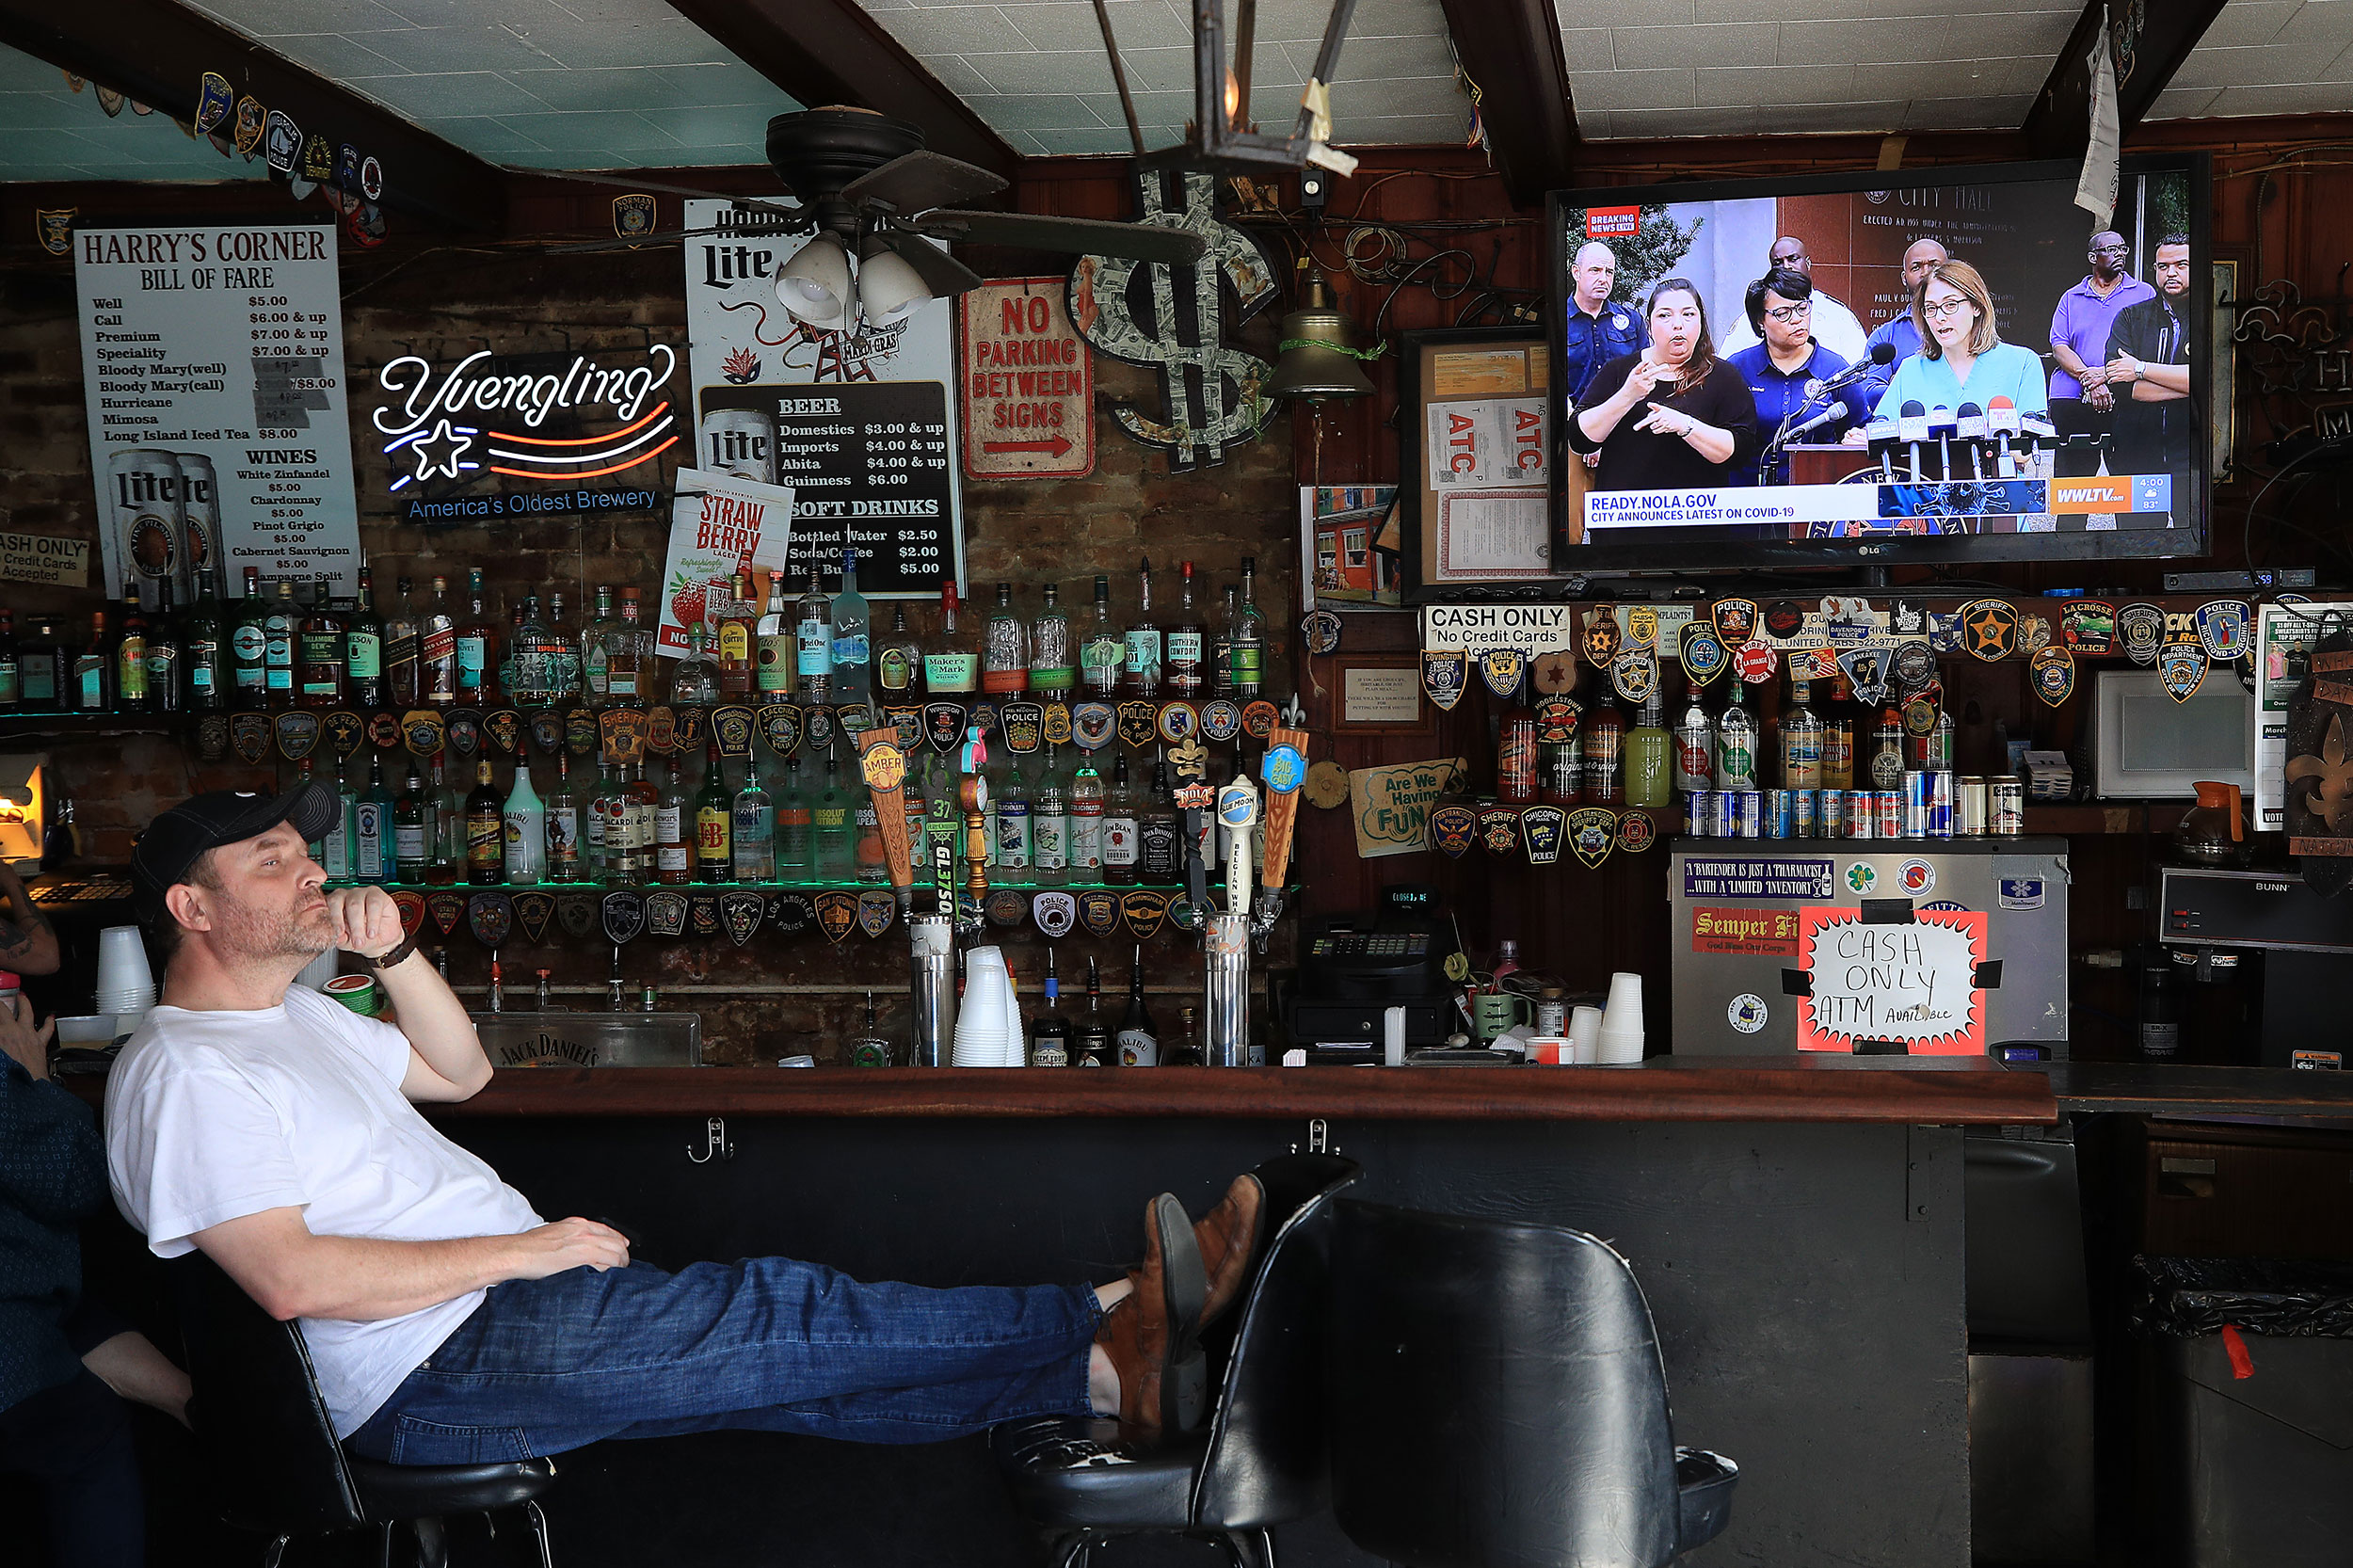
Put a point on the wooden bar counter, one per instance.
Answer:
(1917, 1091)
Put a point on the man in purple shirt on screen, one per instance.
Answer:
(2082, 403)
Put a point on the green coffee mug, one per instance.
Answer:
(1494, 1012)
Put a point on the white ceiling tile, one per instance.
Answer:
(269, 18)
(1414, 98)
(454, 92)
(720, 125)
(1384, 60)
(1646, 123)
(2316, 98)
(1632, 90)
(956, 76)
(1072, 24)
(952, 29)
(2245, 24)
(2269, 65)
(1158, 69)
(339, 57)
(1392, 19)
(1082, 143)
(1739, 87)
(2183, 103)
(1587, 48)
(467, 48)
(1033, 71)
(2317, 24)
(1966, 114)
(484, 135)
(670, 41)
(1730, 44)
(1626, 13)
(1294, 20)
(574, 128)
(1152, 108)
(1036, 111)
(1592, 125)
(1892, 40)
(727, 82)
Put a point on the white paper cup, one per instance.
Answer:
(1620, 1046)
(122, 961)
(1585, 1030)
(1625, 1010)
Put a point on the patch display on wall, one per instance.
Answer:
(2052, 671)
(1174, 319)
(2140, 629)
(1989, 629)
(1443, 674)
(2087, 626)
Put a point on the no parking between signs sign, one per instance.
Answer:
(1029, 409)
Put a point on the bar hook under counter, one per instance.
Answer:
(715, 1143)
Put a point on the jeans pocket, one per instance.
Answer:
(420, 1442)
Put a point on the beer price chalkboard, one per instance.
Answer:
(869, 463)
(212, 369)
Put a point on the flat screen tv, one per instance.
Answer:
(1957, 365)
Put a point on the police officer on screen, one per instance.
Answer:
(1598, 331)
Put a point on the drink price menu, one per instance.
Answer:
(871, 464)
(212, 369)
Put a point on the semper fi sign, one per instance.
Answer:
(1028, 381)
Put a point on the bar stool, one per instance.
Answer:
(1259, 1460)
(271, 1454)
(1497, 1400)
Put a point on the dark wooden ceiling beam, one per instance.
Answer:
(826, 52)
(2059, 124)
(1512, 50)
(154, 51)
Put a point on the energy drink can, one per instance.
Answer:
(1781, 814)
(1749, 813)
(1917, 789)
(1805, 810)
(1699, 813)
(1720, 808)
(1969, 808)
(742, 441)
(1862, 819)
(1940, 794)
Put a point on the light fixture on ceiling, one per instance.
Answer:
(814, 286)
(1221, 137)
(888, 286)
(1316, 360)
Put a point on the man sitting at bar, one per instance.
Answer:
(449, 1324)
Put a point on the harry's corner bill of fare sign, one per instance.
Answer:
(212, 372)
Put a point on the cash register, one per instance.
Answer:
(1355, 967)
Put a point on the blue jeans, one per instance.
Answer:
(551, 1364)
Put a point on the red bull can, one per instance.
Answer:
(1917, 791)
(1940, 797)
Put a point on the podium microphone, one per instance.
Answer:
(1880, 436)
(1912, 428)
(1970, 427)
(1940, 426)
(2002, 418)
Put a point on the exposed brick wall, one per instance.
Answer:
(445, 303)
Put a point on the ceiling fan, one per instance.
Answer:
(870, 189)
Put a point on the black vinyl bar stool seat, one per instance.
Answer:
(1499, 1401)
(1259, 1461)
(271, 1454)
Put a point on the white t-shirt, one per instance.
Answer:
(211, 1116)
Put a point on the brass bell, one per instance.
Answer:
(1316, 361)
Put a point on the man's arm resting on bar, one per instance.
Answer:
(291, 1273)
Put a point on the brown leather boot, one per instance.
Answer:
(1159, 1315)
(1227, 1236)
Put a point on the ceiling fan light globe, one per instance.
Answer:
(889, 286)
(814, 286)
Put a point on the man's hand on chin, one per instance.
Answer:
(365, 920)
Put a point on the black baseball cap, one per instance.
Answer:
(174, 841)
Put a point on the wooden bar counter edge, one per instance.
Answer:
(1962, 1092)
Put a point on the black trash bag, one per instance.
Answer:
(2289, 1298)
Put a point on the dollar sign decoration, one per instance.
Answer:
(1148, 314)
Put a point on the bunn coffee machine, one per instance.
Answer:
(2290, 946)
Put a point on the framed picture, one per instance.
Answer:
(1475, 458)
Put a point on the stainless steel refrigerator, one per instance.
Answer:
(1919, 946)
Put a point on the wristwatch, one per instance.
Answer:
(407, 946)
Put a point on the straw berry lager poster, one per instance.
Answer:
(718, 524)
(213, 372)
